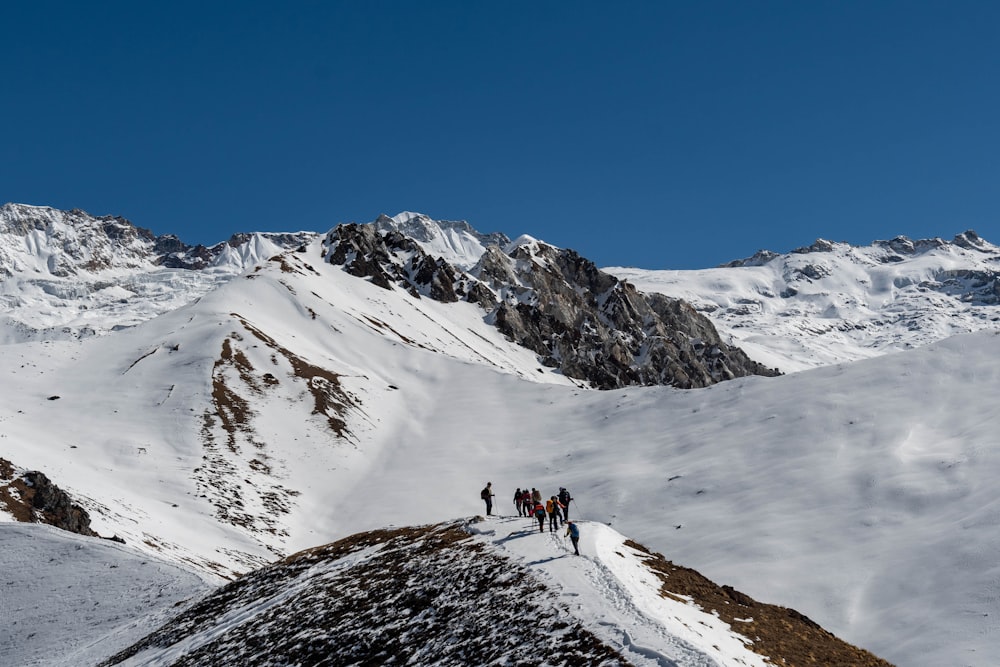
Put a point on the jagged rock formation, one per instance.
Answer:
(587, 323)
(393, 258)
(32, 498)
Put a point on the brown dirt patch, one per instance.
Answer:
(784, 635)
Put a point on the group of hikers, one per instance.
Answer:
(529, 504)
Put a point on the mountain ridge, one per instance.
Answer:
(460, 593)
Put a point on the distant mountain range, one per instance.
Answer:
(225, 407)
(831, 302)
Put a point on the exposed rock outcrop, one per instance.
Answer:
(32, 498)
(587, 323)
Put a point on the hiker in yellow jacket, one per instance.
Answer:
(554, 509)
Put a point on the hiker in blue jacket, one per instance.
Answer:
(574, 536)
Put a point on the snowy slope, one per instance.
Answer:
(78, 600)
(297, 404)
(833, 302)
(859, 494)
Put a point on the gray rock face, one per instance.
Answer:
(587, 323)
(391, 258)
(55, 507)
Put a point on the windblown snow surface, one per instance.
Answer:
(862, 494)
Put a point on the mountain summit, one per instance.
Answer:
(454, 241)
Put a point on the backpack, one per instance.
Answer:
(564, 496)
(539, 510)
(485, 493)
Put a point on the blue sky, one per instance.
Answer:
(650, 134)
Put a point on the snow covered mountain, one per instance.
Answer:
(833, 302)
(454, 241)
(67, 274)
(296, 404)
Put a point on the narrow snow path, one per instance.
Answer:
(613, 594)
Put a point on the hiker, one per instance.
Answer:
(552, 507)
(536, 495)
(517, 502)
(564, 498)
(487, 495)
(574, 536)
(526, 502)
(540, 515)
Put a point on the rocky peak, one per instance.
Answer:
(576, 318)
(819, 245)
(759, 258)
(455, 241)
(390, 257)
(970, 240)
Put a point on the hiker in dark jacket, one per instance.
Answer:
(487, 495)
(517, 503)
(564, 498)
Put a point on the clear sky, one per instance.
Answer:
(650, 134)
